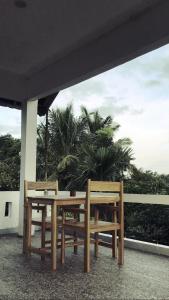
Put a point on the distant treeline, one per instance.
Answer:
(85, 147)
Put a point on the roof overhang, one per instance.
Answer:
(50, 45)
(43, 104)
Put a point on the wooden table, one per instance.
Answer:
(54, 202)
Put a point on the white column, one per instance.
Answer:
(28, 151)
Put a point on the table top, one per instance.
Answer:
(69, 200)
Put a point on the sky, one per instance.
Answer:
(135, 94)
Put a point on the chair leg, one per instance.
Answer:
(63, 239)
(121, 247)
(62, 246)
(29, 227)
(114, 243)
(96, 244)
(87, 253)
(75, 241)
(96, 235)
(43, 231)
(25, 237)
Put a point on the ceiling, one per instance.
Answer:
(47, 45)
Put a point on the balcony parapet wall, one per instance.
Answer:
(9, 217)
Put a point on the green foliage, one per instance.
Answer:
(41, 152)
(9, 162)
(147, 222)
(103, 163)
(146, 182)
(85, 147)
(82, 148)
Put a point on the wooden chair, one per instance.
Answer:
(38, 186)
(89, 227)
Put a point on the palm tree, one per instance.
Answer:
(84, 147)
(103, 163)
(64, 130)
(94, 121)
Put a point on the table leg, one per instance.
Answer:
(24, 250)
(29, 227)
(43, 230)
(54, 236)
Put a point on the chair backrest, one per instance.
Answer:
(105, 187)
(40, 186)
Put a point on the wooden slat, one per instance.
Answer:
(63, 239)
(98, 227)
(54, 236)
(39, 223)
(25, 219)
(105, 244)
(38, 207)
(96, 236)
(29, 218)
(43, 231)
(87, 230)
(41, 251)
(59, 240)
(48, 242)
(104, 228)
(48, 200)
(74, 226)
(103, 199)
(69, 201)
(114, 232)
(74, 210)
(86, 227)
(72, 244)
(42, 185)
(121, 231)
(104, 186)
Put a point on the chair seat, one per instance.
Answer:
(38, 222)
(100, 226)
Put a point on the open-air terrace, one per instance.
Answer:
(143, 276)
(46, 47)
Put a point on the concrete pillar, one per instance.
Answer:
(28, 151)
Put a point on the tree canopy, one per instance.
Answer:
(9, 162)
(83, 147)
(79, 148)
(86, 147)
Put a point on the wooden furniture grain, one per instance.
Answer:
(47, 186)
(55, 201)
(88, 226)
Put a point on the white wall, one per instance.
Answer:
(11, 222)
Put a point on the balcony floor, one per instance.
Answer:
(144, 276)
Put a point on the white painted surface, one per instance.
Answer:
(10, 223)
(147, 199)
(28, 151)
(140, 245)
